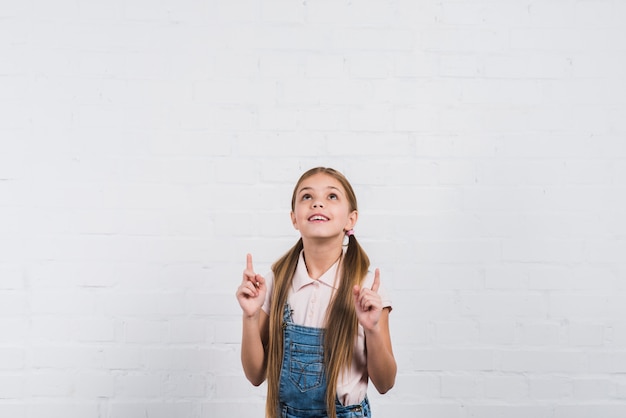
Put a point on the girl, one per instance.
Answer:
(317, 327)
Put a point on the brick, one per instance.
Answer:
(591, 388)
(125, 358)
(544, 361)
(65, 356)
(508, 388)
(364, 65)
(426, 305)
(528, 65)
(62, 302)
(596, 305)
(607, 362)
(460, 387)
(540, 333)
(588, 411)
(497, 332)
(144, 331)
(509, 92)
(185, 385)
(95, 330)
(453, 360)
(373, 39)
(89, 385)
(456, 332)
(416, 64)
(188, 331)
(503, 304)
(12, 386)
(588, 334)
(231, 387)
(512, 411)
(14, 330)
(416, 387)
(13, 302)
(378, 119)
(538, 251)
(13, 358)
(54, 409)
(54, 384)
(283, 11)
(550, 387)
(465, 39)
(157, 409)
(12, 276)
(143, 385)
(216, 408)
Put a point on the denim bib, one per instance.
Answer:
(302, 387)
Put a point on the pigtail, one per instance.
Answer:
(283, 270)
(341, 321)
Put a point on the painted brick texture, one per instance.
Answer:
(147, 146)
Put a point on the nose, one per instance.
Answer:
(318, 205)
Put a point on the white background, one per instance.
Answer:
(147, 145)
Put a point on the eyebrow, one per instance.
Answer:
(311, 188)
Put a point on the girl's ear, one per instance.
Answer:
(352, 218)
(293, 220)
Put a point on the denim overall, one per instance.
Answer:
(302, 387)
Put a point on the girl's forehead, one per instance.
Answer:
(320, 181)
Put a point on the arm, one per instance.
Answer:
(381, 364)
(253, 346)
(255, 325)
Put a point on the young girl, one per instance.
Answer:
(317, 327)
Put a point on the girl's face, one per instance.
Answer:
(322, 209)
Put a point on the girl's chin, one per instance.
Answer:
(322, 236)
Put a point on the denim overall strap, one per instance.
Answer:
(302, 387)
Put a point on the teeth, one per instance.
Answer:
(317, 218)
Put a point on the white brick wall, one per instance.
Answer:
(146, 146)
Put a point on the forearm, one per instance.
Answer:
(253, 350)
(381, 364)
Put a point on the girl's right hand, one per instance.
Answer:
(251, 292)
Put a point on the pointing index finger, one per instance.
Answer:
(376, 283)
(249, 262)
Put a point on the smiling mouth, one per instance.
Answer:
(318, 218)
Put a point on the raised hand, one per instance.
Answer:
(251, 292)
(368, 303)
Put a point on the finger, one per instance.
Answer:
(376, 284)
(364, 303)
(259, 280)
(370, 304)
(249, 262)
(248, 290)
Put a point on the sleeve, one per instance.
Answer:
(269, 283)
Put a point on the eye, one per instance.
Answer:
(333, 196)
(306, 196)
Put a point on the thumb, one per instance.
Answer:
(260, 280)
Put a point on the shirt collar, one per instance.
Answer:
(301, 278)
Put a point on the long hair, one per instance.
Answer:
(341, 323)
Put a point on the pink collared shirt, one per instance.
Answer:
(309, 299)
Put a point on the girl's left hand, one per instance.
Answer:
(368, 303)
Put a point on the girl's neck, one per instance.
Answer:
(319, 258)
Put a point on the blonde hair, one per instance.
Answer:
(341, 322)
